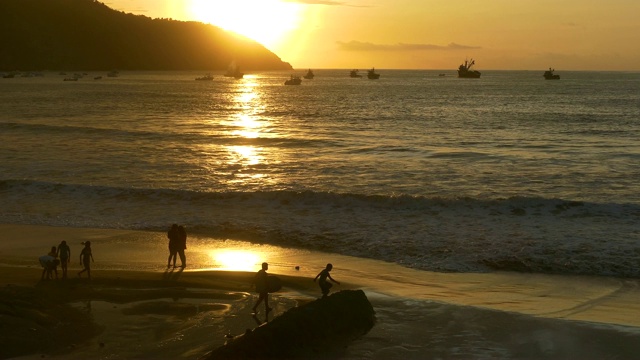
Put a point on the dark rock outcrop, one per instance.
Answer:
(320, 329)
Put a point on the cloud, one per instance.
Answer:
(365, 46)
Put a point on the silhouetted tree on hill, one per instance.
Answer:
(88, 35)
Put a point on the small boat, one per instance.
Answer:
(371, 74)
(294, 80)
(549, 75)
(70, 79)
(464, 70)
(354, 74)
(310, 75)
(234, 71)
(97, 78)
(113, 73)
(207, 77)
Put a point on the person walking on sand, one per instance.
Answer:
(64, 254)
(172, 234)
(260, 282)
(325, 285)
(86, 258)
(181, 246)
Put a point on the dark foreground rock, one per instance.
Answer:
(320, 329)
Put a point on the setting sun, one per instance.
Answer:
(265, 21)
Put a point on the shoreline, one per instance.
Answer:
(141, 307)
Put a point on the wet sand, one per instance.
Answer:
(136, 307)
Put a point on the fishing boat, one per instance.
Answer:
(549, 75)
(371, 74)
(310, 75)
(234, 71)
(294, 80)
(354, 74)
(207, 77)
(464, 70)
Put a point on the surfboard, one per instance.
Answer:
(273, 283)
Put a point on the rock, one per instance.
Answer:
(320, 329)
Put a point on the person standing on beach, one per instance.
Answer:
(53, 265)
(86, 258)
(64, 254)
(325, 285)
(260, 282)
(182, 246)
(172, 234)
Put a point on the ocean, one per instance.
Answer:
(506, 172)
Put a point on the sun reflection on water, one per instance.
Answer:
(247, 124)
(246, 155)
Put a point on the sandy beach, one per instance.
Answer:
(136, 307)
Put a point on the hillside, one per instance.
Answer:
(88, 35)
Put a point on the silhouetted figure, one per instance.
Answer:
(64, 254)
(48, 263)
(86, 258)
(260, 282)
(54, 264)
(325, 285)
(172, 234)
(182, 246)
(45, 261)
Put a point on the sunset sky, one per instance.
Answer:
(424, 34)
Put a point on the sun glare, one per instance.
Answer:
(235, 260)
(265, 21)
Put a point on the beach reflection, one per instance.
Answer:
(235, 260)
(247, 124)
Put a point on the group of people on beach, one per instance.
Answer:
(177, 235)
(261, 283)
(61, 255)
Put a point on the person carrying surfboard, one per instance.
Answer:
(262, 288)
(324, 284)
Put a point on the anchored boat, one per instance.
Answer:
(549, 75)
(464, 70)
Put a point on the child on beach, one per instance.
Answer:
(53, 265)
(260, 282)
(64, 254)
(86, 257)
(49, 264)
(324, 284)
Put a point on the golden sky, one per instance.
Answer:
(424, 34)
